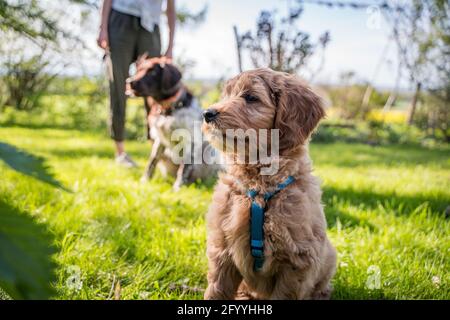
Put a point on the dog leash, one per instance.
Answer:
(108, 65)
(257, 222)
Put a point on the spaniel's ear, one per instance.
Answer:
(299, 110)
(170, 76)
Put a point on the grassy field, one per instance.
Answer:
(116, 237)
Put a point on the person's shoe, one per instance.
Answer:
(126, 161)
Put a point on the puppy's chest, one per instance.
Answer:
(236, 224)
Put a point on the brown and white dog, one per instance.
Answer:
(174, 108)
(299, 260)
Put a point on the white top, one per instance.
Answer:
(148, 10)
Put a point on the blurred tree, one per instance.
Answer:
(32, 19)
(41, 38)
(26, 78)
(278, 43)
(422, 34)
(186, 17)
(433, 115)
(347, 97)
(29, 18)
(26, 18)
(33, 34)
(421, 30)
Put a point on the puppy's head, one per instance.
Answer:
(156, 79)
(265, 99)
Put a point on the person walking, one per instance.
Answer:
(128, 29)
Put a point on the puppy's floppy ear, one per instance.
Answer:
(298, 112)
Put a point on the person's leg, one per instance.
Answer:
(122, 41)
(149, 43)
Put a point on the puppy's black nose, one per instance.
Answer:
(210, 114)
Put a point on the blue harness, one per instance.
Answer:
(257, 222)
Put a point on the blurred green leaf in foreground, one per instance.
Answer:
(26, 265)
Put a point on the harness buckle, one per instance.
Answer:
(257, 247)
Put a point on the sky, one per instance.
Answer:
(358, 39)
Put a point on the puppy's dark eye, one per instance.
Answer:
(250, 98)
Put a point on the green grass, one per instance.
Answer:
(385, 209)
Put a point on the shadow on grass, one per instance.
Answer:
(27, 268)
(400, 204)
(28, 164)
(100, 150)
(64, 126)
(78, 153)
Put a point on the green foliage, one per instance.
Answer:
(348, 100)
(4, 295)
(421, 31)
(83, 112)
(433, 115)
(136, 120)
(374, 133)
(82, 103)
(36, 40)
(206, 93)
(26, 266)
(25, 80)
(187, 17)
(42, 27)
(92, 87)
(60, 111)
(29, 18)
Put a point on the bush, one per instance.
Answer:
(136, 120)
(59, 111)
(373, 133)
(206, 92)
(348, 100)
(25, 80)
(76, 112)
(433, 116)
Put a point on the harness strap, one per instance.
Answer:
(257, 222)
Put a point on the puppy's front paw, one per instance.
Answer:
(215, 292)
(324, 294)
(210, 293)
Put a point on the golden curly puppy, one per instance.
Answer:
(285, 254)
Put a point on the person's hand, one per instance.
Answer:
(102, 40)
(144, 63)
(169, 53)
